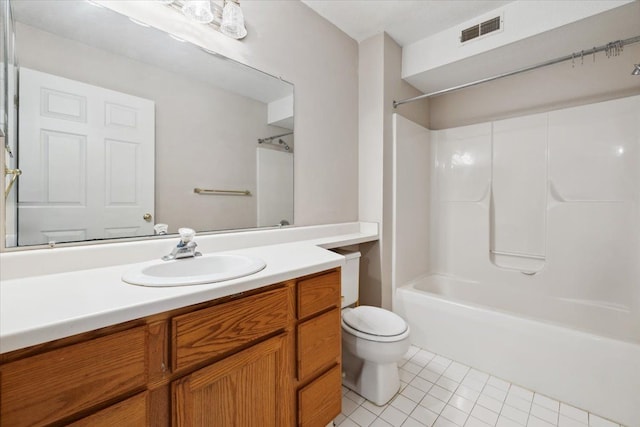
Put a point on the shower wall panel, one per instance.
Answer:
(461, 181)
(411, 200)
(562, 187)
(518, 193)
(594, 181)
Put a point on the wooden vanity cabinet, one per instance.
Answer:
(268, 357)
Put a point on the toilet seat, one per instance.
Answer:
(374, 324)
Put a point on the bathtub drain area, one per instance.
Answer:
(440, 392)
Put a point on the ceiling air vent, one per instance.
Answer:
(481, 29)
(470, 33)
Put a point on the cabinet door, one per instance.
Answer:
(246, 389)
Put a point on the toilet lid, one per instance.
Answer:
(374, 321)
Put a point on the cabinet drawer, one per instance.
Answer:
(51, 386)
(131, 412)
(319, 344)
(217, 330)
(318, 293)
(321, 401)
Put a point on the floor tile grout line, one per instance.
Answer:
(453, 392)
(449, 399)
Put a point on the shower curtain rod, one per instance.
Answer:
(271, 138)
(615, 45)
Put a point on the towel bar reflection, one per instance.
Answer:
(222, 192)
(15, 174)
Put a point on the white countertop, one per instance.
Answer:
(46, 307)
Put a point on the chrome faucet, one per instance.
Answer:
(186, 248)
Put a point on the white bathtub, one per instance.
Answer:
(578, 352)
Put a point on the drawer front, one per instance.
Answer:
(321, 401)
(213, 331)
(318, 293)
(51, 386)
(319, 343)
(128, 413)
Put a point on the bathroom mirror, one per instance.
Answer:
(119, 127)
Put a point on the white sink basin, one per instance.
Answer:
(193, 271)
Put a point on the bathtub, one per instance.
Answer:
(579, 352)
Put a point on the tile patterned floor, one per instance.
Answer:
(439, 392)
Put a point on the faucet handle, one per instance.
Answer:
(186, 234)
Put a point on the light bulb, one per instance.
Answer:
(198, 11)
(233, 21)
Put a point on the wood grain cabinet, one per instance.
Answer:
(242, 390)
(318, 357)
(269, 357)
(54, 385)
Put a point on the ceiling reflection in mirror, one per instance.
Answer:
(116, 125)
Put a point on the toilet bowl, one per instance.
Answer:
(373, 342)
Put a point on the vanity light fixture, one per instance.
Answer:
(636, 71)
(228, 18)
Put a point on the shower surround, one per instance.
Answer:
(528, 260)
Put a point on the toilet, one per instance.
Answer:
(373, 341)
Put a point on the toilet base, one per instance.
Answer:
(379, 382)
(376, 382)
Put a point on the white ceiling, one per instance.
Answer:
(406, 21)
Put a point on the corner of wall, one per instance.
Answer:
(380, 83)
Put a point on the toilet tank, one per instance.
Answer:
(350, 277)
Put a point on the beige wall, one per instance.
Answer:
(379, 85)
(287, 39)
(371, 142)
(199, 143)
(558, 86)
